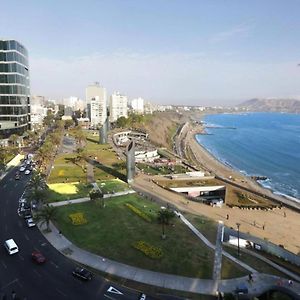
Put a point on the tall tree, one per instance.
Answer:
(164, 216)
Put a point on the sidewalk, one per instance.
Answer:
(260, 284)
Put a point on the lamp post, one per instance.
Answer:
(238, 232)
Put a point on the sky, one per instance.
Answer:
(192, 52)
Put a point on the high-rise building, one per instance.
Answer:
(96, 100)
(14, 88)
(118, 106)
(137, 105)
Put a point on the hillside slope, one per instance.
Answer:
(272, 105)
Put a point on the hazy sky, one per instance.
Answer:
(168, 51)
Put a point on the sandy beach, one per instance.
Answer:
(281, 226)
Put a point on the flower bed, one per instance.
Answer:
(78, 219)
(138, 212)
(148, 250)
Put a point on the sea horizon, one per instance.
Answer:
(258, 144)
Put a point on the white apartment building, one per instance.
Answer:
(118, 106)
(96, 99)
(137, 105)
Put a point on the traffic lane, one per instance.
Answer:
(56, 272)
(59, 268)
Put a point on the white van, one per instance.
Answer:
(11, 247)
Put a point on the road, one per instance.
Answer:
(53, 280)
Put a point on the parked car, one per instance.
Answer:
(27, 214)
(22, 169)
(38, 257)
(27, 172)
(82, 273)
(142, 296)
(17, 176)
(30, 222)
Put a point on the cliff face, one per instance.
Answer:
(162, 126)
(272, 105)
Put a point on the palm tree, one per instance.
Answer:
(14, 139)
(81, 157)
(79, 135)
(164, 216)
(45, 215)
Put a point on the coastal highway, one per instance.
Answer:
(53, 280)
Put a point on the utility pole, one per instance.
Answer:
(238, 232)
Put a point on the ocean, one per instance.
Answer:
(265, 144)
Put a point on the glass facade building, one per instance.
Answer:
(14, 88)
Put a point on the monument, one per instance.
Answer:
(130, 161)
(103, 131)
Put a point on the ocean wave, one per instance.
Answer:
(287, 196)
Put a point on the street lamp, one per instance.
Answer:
(238, 232)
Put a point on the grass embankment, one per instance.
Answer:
(111, 232)
(161, 170)
(254, 262)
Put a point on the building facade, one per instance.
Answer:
(118, 107)
(14, 88)
(96, 99)
(137, 105)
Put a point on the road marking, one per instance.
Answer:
(3, 264)
(26, 237)
(37, 273)
(61, 293)
(55, 265)
(109, 297)
(10, 283)
(113, 290)
(21, 257)
(44, 244)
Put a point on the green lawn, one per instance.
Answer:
(112, 230)
(68, 191)
(206, 226)
(112, 186)
(64, 170)
(256, 263)
(163, 170)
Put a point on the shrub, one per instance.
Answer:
(78, 219)
(138, 212)
(148, 250)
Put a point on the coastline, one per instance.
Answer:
(210, 163)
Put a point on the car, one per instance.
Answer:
(27, 214)
(82, 273)
(142, 296)
(22, 169)
(17, 176)
(30, 222)
(27, 172)
(38, 257)
(23, 206)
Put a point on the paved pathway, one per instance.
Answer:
(260, 284)
(210, 245)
